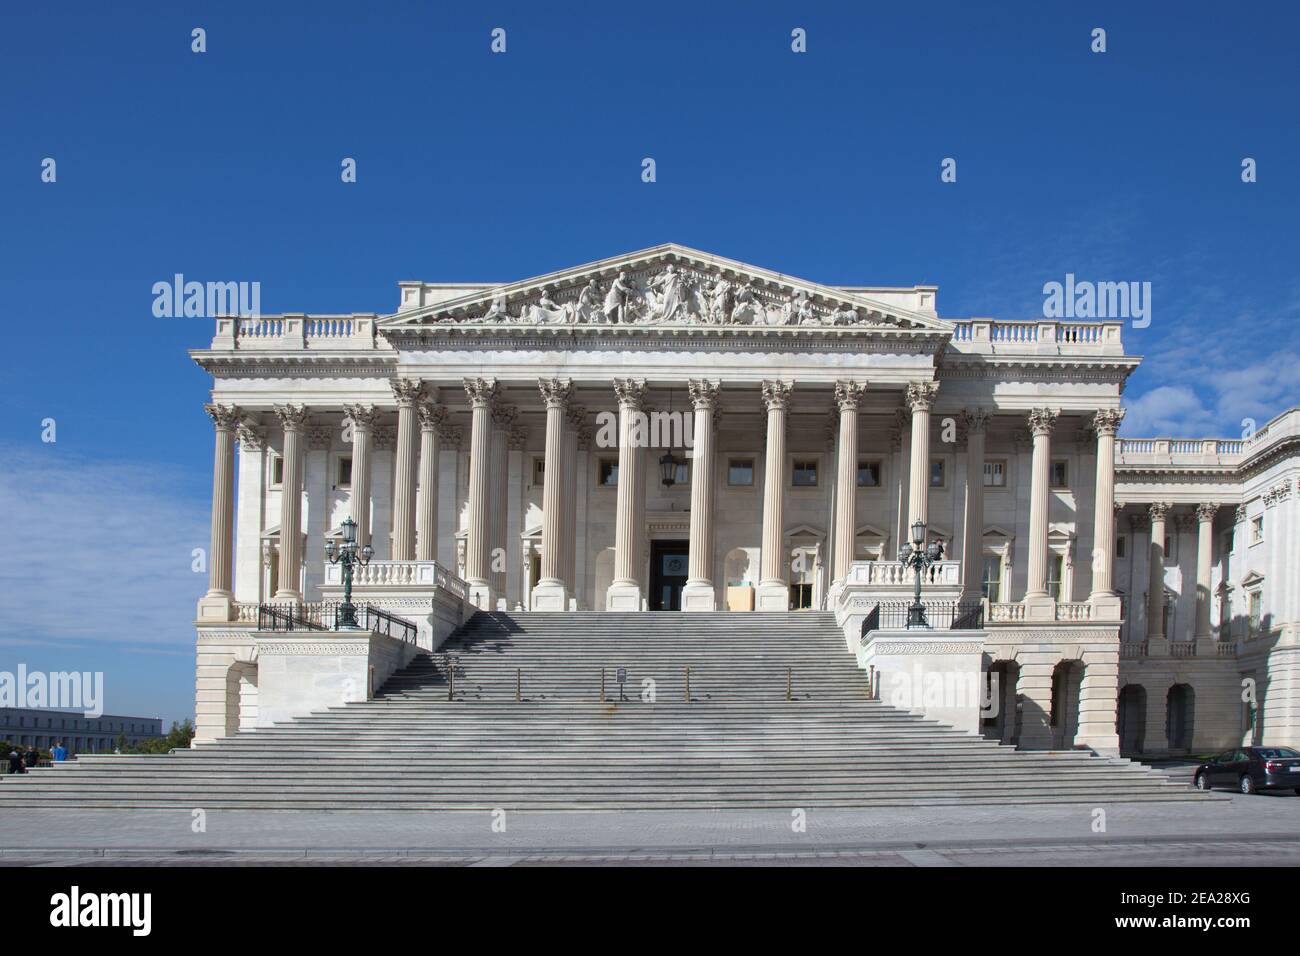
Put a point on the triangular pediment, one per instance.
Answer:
(665, 286)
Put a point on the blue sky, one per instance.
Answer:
(1122, 166)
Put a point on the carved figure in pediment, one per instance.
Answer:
(667, 296)
(748, 310)
(717, 302)
(845, 316)
(617, 298)
(547, 311)
(497, 311)
(588, 308)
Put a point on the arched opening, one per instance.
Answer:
(1132, 718)
(241, 697)
(1180, 705)
(1001, 718)
(1067, 679)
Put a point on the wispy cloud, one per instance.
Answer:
(101, 551)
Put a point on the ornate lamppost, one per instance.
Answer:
(349, 556)
(919, 558)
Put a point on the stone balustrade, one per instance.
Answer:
(1038, 337)
(892, 574)
(290, 332)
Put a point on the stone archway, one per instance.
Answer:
(1067, 682)
(1180, 713)
(1004, 724)
(241, 697)
(1131, 718)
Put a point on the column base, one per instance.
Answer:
(287, 597)
(551, 596)
(216, 606)
(481, 596)
(699, 596)
(1103, 743)
(1157, 647)
(1106, 606)
(623, 597)
(772, 597)
(1206, 646)
(1039, 607)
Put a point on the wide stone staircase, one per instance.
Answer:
(713, 711)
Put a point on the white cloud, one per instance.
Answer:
(98, 552)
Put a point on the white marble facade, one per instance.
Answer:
(475, 433)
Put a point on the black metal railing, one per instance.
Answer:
(327, 617)
(940, 615)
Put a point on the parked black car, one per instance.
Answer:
(1250, 769)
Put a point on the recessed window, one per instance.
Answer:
(1055, 572)
(1257, 530)
(1121, 546)
(539, 472)
(991, 586)
(740, 472)
(995, 473)
(938, 474)
(804, 474)
(1227, 542)
(1060, 473)
(277, 470)
(868, 474)
(682, 474)
(1256, 605)
(609, 472)
(343, 472)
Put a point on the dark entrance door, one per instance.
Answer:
(668, 566)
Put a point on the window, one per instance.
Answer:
(343, 473)
(1257, 530)
(609, 472)
(995, 473)
(1055, 573)
(1256, 611)
(1060, 473)
(868, 474)
(539, 472)
(991, 587)
(804, 474)
(682, 474)
(1226, 545)
(277, 470)
(937, 474)
(801, 597)
(740, 472)
(1121, 546)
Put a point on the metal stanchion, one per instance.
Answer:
(789, 682)
(688, 685)
(518, 685)
(602, 685)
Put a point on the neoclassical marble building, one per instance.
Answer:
(673, 430)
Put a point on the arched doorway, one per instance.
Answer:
(1067, 679)
(1132, 718)
(1180, 706)
(1003, 724)
(241, 697)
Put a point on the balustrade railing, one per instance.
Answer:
(892, 574)
(396, 574)
(939, 615)
(326, 616)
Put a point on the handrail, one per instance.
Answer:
(296, 617)
(941, 616)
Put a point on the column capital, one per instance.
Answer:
(225, 417)
(361, 416)
(251, 435)
(576, 416)
(481, 391)
(920, 396)
(630, 392)
(407, 391)
(503, 415)
(848, 394)
(556, 392)
(1159, 510)
(320, 437)
(1106, 421)
(292, 417)
(703, 393)
(432, 416)
(453, 435)
(776, 394)
(1207, 511)
(1042, 420)
(975, 420)
(517, 440)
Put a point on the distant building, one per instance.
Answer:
(38, 727)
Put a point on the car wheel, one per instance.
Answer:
(1247, 784)
(1202, 782)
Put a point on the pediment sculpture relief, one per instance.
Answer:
(670, 295)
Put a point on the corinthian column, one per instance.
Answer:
(1205, 514)
(1156, 576)
(407, 392)
(773, 587)
(503, 418)
(972, 536)
(363, 419)
(481, 392)
(575, 421)
(1039, 605)
(432, 418)
(920, 397)
(218, 603)
(625, 592)
(698, 594)
(294, 420)
(551, 592)
(847, 396)
(1104, 600)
